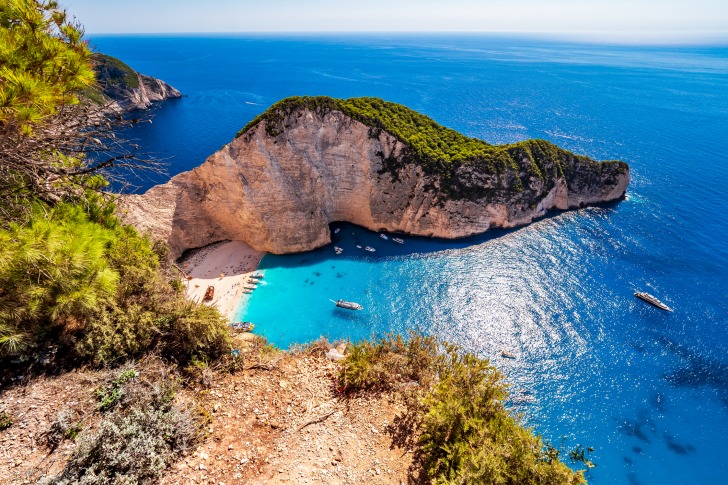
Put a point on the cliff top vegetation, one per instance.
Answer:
(438, 149)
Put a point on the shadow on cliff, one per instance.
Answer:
(354, 239)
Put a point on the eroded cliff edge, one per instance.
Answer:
(307, 162)
(126, 89)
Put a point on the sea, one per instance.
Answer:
(594, 366)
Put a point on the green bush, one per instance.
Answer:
(466, 434)
(394, 360)
(53, 274)
(108, 396)
(6, 421)
(73, 276)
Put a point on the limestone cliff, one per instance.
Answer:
(126, 88)
(305, 164)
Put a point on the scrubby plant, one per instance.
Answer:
(53, 274)
(6, 420)
(72, 274)
(108, 396)
(465, 433)
(136, 441)
(384, 364)
(468, 436)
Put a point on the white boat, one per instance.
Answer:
(358, 246)
(370, 249)
(652, 301)
(398, 240)
(337, 230)
(257, 275)
(383, 236)
(349, 305)
(338, 250)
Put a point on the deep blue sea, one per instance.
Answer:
(647, 389)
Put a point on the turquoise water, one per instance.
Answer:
(647, 389)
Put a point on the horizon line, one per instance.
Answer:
(645, 37)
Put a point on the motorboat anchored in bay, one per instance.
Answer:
(398, 240)
(652, 300)
(349, 305)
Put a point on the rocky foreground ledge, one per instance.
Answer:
(310, 161)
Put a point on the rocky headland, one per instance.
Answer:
(309, 161)
(124, 88)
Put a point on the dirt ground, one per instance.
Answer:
(280, 421)
(289, 425)
(34, 406)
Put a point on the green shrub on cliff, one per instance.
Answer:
(437, 149)
(456, 408)
(73, 277)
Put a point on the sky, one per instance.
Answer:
(608, 19)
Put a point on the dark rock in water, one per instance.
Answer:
(638, 427)
(679, 448)
(632, 478)
(635, 430)
(698, 370)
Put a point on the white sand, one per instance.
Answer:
(226, 266)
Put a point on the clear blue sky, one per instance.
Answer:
(628, 19)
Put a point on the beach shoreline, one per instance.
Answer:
(226, 266)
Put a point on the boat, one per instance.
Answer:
(507, 355)
(209, 293)
(247, 290)
(242, 326)
(358, 246)
(337, 230)
(370, 249)
(338, 250)
(383, 236)
(257, 275)
(249, 286)
(349, 305)
(652, 300)
(398, 240)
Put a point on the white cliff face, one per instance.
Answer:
(279, 193)
(150, 90)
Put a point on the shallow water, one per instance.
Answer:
(647, 389)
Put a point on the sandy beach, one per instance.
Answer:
(227, 267)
